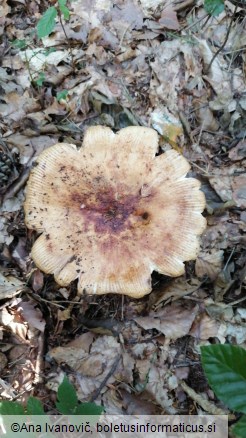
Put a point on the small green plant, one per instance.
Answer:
(67, 404)
(225, 369)
(214, 7)
(40, 79)
(62, 95)
(19, 44)
(46, 24)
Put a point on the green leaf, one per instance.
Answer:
(47, 52)
(67, 398)
(40, 79)
(62, 95)
(34, 406)
(11, 408)
(19, 44)
(240, 427)
(214, 7)
(64, 10)
(88, 409)
(225, 368)
(47, 23)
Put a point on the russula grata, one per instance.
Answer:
(112, 212)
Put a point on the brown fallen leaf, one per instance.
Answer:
(154, 383)
(37, 280)
(16, 106)
(169, 18)
(174, 320)
(10, 286)
(209, 264)
(177, 289)
(138, 404)
(4, 8)
(92, 361)
(204, 327)
(229, 183)
(239, 190)
(3, 361)
(15, 323)
(238, 152)
(32, 314)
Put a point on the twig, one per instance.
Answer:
(39, 361)
(98, 390)
(194, 23)
(65, 33)
(224, 43)
(180, 6)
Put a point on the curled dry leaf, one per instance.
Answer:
(112, 212)
(16, 106)
(209, 264)
(174, 320)
(22, 317)
(15, 323)
(205, 327)
(92, 360)
(176, 290)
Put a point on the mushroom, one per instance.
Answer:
(112, 212)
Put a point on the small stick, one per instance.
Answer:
(98, 390)
(224, 43)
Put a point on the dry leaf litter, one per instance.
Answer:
(124, 63)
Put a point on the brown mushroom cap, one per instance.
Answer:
(112, 212)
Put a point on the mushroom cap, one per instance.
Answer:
(112, 212)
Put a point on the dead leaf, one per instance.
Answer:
(227, 181)
(169, 18)
(32, 314)
(16, 106)
(174, 320)
(154, 383)
(239, 190)
(3, 361)
(235, 332)
(4, 8)
(147, 5)
(204, 327)
(37, 280)
(167, 125)
(15, 323)
(138, 404)
(29, 147)
(178, 288)
(238, 152)
(128, 15)
(10, 286)
(209, 264)
(92, 366)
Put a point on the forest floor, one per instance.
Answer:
(121, 63)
